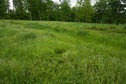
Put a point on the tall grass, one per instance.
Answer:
(46, 52)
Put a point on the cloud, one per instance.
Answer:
(11, 4)
(73, 2)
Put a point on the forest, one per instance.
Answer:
(103, 11)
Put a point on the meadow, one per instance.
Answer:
(52, 52)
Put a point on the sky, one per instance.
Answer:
(11, 4)
(73, 2)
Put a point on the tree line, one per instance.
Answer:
(104, 11)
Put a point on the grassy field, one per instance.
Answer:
(47, 52)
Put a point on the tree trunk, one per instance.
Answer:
(30, 16)
(40, 18)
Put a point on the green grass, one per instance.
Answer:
(48, 52)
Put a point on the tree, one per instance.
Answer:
(88, 11)
(50, 10)
(54, 12)
(65, 11)
(74, 14)
(118, 10)
(39, 9)
(3, 9)
(19, 7)
(100, 9)
(110, 11)
(84, 11)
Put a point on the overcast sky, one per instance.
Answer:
(73, 2)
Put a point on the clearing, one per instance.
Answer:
(50, 52)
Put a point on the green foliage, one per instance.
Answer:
(84, 11)
(82, 33)
(103, 11)
(125, 27)
(37, 26)
(110, 11)
(61, 52)
(28, 36)
(65, 11)
(20, 9)
(3, 9)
